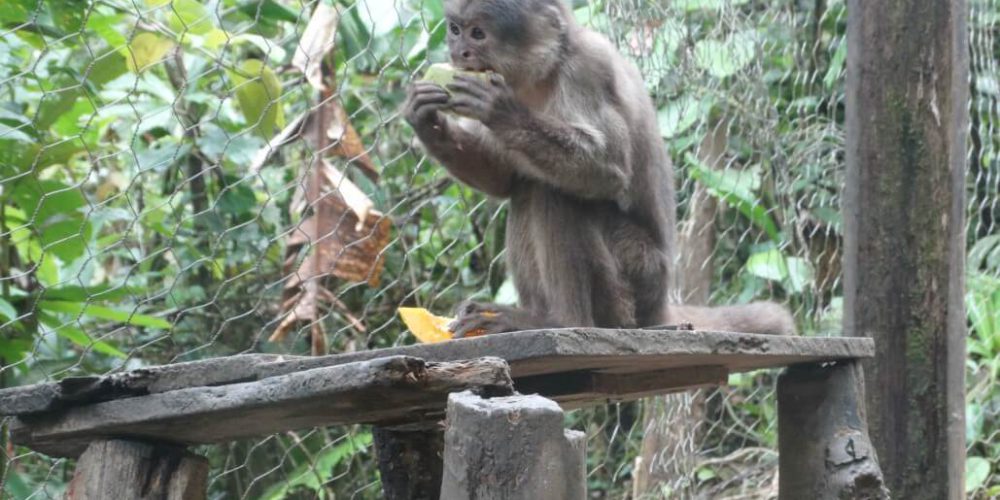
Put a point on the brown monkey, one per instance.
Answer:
(570, 136)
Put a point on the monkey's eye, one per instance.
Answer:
(454, 29)
(478, 34)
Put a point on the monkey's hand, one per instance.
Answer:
(424, 101)
(476, 318)
(491, 102)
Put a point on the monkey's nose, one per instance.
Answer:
(466, 54)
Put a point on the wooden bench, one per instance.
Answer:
(824, 449)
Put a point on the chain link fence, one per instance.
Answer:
(183, 179)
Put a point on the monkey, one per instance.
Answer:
(565, 130)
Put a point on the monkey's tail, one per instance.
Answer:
(756, 317)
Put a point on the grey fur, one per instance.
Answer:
(570, 136)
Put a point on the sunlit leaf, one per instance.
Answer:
(257, 91)
(146, 49)
(726, 58)
(977, 470)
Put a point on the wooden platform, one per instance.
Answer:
(241, 396)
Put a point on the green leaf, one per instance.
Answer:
(736, 188)
(14, 12)
(680, 114)
(268, 9)
(257, 91)
(54, 210)
(726, 58)
(794, 273)
(100, 312)
(80, 338)
(313, 474)
(7, 311)
(18, 157)
(68, 15)
(146, 49)
(189, 16)
(8, 133)
(977, 470)
(769, 265)
(836, 66)
(73, 293)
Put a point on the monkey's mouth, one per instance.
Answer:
(478, 68)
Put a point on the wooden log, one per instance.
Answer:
(388, 390)
(824, 451)
(907, 111)
(511, 448)
(410, 462)
(119, 469)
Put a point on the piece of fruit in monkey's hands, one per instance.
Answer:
(444, 74)
(429, 328)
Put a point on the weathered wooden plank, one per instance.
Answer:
(74, 391)
(387, 390)
(528, 353)
(126, 469)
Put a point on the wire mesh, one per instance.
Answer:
(175, 185)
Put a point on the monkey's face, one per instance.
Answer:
(486, 34)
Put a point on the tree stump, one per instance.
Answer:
(824, 451)
(511, 448)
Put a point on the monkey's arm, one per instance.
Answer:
(464, 154)
(588, 158)
(470, 159)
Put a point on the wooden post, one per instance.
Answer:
(907, 112)
(119, 469)
(409, 462)
(824, 452)
(512, 448)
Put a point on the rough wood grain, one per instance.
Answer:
(511, 448)
(119, 469)
(387, 390)
(824, 449)
(528, 353)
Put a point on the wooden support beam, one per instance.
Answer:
(824, 452)
(119, 469)
(904, 220)
(512, 448)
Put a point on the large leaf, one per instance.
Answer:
(794, 273)
(106, 313)
(79, 337)
(54, 211)
(977, 470)
(736, 188)
(258, 91)
(726, 58)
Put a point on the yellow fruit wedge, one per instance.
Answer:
(425, 326)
